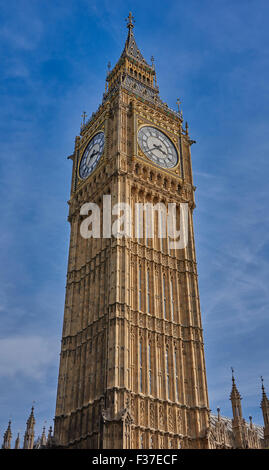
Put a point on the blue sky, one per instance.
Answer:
(54, 55)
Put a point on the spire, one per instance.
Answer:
(132, 72)
(264, 396)
(265, 405)
(43, 441)
(131, 48)
(30, 431)
(130, 20)
(234, 393)
(7, 437)
(17, 442)
(50, 437)
(235, 398)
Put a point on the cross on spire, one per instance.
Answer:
(131, 21)
(83, 115)
(262, 382)
(179, 102)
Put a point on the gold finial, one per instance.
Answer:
(131, 21)
(83, 115)
(152, 61)
(179, 102)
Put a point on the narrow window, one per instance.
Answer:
(146, 229)
(164, 298)
(161, 230)
(140, 361)
(176, 374)
(172, 299)
(150, 377)
(138, 207)
(148, 293)
(167, 373)
(139, 289)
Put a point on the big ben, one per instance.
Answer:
(132, 369)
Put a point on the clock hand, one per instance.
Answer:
(91, 155)
(157, 147)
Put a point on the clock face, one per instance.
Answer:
(157, 146)
(91, 155)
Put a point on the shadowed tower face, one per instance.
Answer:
(132, 369)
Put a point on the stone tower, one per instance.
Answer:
(132, 369)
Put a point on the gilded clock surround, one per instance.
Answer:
(170, 136)
(82, 149)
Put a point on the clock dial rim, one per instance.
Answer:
(96, 158)
(158, 160)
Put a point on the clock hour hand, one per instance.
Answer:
(157, 147)
(91, 155)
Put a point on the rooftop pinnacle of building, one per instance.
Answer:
(265, 400)
(235, 395)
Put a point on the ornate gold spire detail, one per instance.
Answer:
(130, 20)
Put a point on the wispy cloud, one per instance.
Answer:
(29, 356)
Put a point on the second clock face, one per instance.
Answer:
(91, 155)
(157, 146)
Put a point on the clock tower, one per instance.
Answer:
(132, 368)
